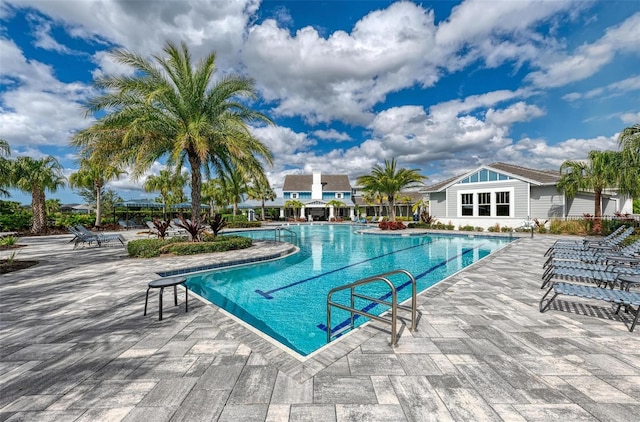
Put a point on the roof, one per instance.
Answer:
(535, 176)
(303, 182)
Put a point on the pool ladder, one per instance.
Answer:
(278, 235)
(384, 319)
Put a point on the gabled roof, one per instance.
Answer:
(534, 176)
(303, 182)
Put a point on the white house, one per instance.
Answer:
(508, 195)
(315, 191)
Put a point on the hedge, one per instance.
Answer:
(149, 248)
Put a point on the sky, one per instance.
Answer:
(442, 86)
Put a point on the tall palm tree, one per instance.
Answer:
(37, 176)
(407, 200)
(389, 181)
(213, 195)
(336, 204)
(94, 175)
(598, 174)
(261, 191)
(166, 182)
(171, 109)
(235, 185)
(294, 204)
(4, 167)
(629, 142)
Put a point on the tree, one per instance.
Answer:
(171, 109)
(4, 168)
(261, 191)
(389, 181)
(629, 142)
(407, 200)
(335, 204)
(37, 176)
(213, 195)
(166, 183)
(52, 206)
(295, 205)
(94, 175)
(599, 173)
(234, 185)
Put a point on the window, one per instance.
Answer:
(339, 195)
(484, 204)
(467, 203)
(294, 195)
(502, 204)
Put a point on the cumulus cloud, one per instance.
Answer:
(613, 89)
(36, 108)
(331, 135)
(589, 58)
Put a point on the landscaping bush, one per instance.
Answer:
(8, 241)
(479, 229)
(505, 229)
(61, 220)
(234, 218)
(243, 224)
(467, 228)
(419, 226)
(221, 244)
(494, 229)
(576, 227)
(15, 222)
(391, 225)
(179, 245)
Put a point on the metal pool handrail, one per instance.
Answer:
(290, 233)
(393, 304)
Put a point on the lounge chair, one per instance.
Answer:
(601, 275)
(101, 237)
(619, 297)
(81, 237)
(586, 241)
(605, 244)
(595, 254)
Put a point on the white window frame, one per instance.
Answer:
(295, 195)
(493, 192)
(339, 195)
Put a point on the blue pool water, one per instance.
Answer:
(286, 298)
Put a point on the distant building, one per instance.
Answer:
(315, 192)
(508, 194)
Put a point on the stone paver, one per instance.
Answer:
(74, 346)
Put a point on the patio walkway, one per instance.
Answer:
(74, 346)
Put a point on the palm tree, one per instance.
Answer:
(37, 176)
(389, 181)
(598, 174)
(171, 109)
(407, 200)
(234, 184)
(629, 142)
(94, 175)
(4, 167)
(335, 204)
(165, 183)
(295, 205)
(213, 195)
(261, 191)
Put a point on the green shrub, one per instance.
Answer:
(542, 229)
(222, 244)
(243, 224)
(15, 222)
(234, 218)
(494, 229)
(505, 229)
(149, 248)
(467, 228)
(419, 226)
(65, 220)
(479, 229)
(8, 241)
(576, 227)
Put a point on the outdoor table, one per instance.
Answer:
(628, 280)
(161, 283)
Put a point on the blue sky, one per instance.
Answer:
(443, 86)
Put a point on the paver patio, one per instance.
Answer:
(74, 346)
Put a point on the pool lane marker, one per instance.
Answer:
(371, 305)
(268, 294)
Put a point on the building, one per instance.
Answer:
(509, 195)
(315, 191)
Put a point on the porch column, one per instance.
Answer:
(302, 213)
(331, 213)
(281, 212)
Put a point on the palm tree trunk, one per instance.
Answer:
(38, 210)
(263, 217)
(597, 224)
(98, 205)
(392, 210)
(196, 185)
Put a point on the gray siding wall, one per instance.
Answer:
(580, 205)
(437, 204)
(546, 202)
(520, 195)
(608, 206)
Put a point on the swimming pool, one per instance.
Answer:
(286, 298)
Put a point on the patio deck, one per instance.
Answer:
(74, 346)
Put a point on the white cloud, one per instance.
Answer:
(331, 135)
(518, 112)
(630, 118)
(613, 89)
(589, 58)
(43, 38)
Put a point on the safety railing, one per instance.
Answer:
(290, 234)
(381, 318)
